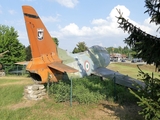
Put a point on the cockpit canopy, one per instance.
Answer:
(99, 56)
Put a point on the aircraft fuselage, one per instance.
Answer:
(86, 62)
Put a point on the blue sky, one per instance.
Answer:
(73, 21)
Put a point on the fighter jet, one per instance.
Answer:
(50, 61)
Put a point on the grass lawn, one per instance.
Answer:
(131, 69)
(14, 107)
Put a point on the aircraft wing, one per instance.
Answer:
(62, 67)
(120, 79)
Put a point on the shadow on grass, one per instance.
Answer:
(123, 112)
(119, 101)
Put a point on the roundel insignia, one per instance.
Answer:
(86, 65)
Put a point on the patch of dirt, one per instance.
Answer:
(16, 83)
(104, 111)
(113, 111)
(23, 104)
(14, 77)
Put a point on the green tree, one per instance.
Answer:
(56, 40)
(146, 47)
(110, 50)
(75, 50)
(149, 96)
(9, 41)
(81, 47)
(126, 50)
(143, 44)
(120, 50)
(28, 53)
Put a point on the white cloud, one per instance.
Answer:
(101, 27)
(50, 18)
(99, 22)
(150, 28)
(146, 26)
(104, 32)
(74, 30)
(101, 31)
(68, 3)
(114, 12)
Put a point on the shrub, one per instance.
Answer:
(85, 90)
(61, 91)
(149, 97)
(89, 90)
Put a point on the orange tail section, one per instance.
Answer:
(40, 40)
(44, 50)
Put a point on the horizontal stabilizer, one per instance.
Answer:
(62, 67)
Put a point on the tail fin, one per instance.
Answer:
(40, 40)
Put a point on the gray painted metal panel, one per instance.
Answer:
(120, 79)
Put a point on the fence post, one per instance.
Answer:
(17, 69)
(48, 82)
(114, 86)
(152, 84)
(71, 94)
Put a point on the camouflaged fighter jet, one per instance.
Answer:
(48, 59)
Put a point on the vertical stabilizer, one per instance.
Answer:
(40, 40)
(45, 61)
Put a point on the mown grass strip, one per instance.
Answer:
(10, 94)
(132, 69)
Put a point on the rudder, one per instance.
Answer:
(40, 40)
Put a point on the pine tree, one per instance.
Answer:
(146, 47)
